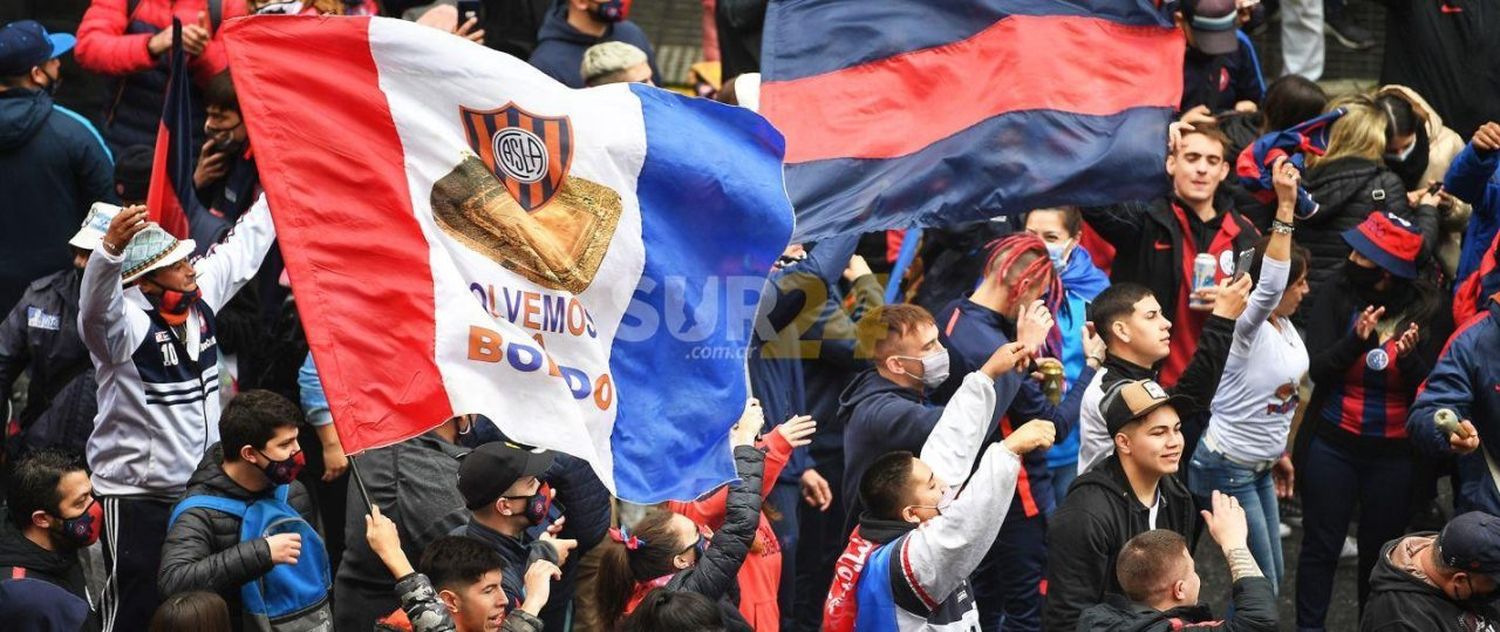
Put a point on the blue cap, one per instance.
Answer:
(27, 44)
(1471, 543)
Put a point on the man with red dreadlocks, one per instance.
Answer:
(1009, 306)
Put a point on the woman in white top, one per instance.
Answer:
(1257, 396)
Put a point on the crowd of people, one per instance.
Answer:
(1033, 427)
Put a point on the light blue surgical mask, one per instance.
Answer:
(1058, 253)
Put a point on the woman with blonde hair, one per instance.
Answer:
(1349, 182)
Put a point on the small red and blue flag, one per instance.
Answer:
(171, 188)
(1308, 138)
(904, 113)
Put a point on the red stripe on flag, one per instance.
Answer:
(898, 105)
(162, 205)
(333, 169)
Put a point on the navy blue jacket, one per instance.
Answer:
(791, 304)
(559, 46)
(972, 333)
(1219, 81)
(53, 165)
(880, 416)
(585, 502)
(1466, 380)
(1474, 177)
(40, 337)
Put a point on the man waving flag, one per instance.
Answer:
(904, 113)
(466, 235)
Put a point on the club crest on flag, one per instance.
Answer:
(530, 153)
(514, 201)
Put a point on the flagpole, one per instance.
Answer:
(359, 482)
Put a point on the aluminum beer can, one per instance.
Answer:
(1204, 267)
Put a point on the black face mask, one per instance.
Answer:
(52, 83)
(1395, 297)
(1361, 278)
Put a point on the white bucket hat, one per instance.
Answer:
(95, 224)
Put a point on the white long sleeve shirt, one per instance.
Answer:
(1257, 396)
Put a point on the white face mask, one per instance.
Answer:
(944, 502)
(1058, 253)
(1403, 154)
(934, 367)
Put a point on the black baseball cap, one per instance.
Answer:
(1131, 400)
(485, 473)
(27, 44)
(1471, 543)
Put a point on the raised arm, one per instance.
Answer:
(110, 331)
(1277, 263)
(1473, 173)
(947, 549)
(1200, 379)
(1254, 602)
(719, 569)
(1118, 224)
(954, 443)
(228, 266)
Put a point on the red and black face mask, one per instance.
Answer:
(83, 530)
(285, 471)
(539, 505)
(173, 305)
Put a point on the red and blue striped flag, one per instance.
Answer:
(905, 113)
(171, 188)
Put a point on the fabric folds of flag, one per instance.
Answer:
(171, 189)
(908, 112)
(1296, 144)
(466, 235)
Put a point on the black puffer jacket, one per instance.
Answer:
(716, 576)
(203, 550)
(1346, 192)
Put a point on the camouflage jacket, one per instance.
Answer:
(423, 612)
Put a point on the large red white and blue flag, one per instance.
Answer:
(902, 113)
(466, 235)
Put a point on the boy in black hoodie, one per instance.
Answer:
(51, 514)
(1438, 582)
